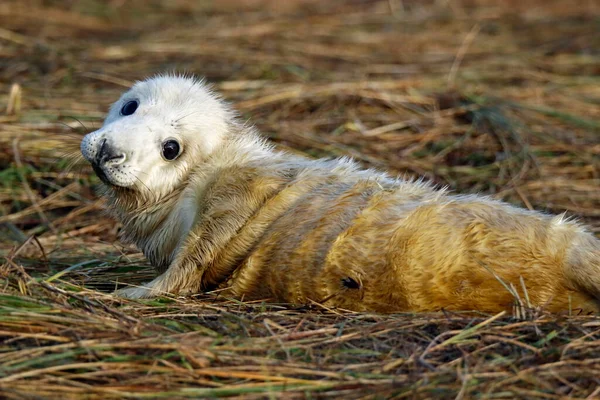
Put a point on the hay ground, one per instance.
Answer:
(496, 97)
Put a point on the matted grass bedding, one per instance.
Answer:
(494, 97)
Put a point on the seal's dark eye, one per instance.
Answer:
(129, 107)
(170, 149)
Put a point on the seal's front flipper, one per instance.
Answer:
(177, 280)
(134, 292)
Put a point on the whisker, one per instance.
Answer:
(142, 182)
(66, 126)
(76, 119)
(187, 115)
(75, 159)
(141, 172)
(191, 113)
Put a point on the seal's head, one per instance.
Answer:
(155, 133)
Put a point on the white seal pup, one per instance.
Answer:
(214, 206)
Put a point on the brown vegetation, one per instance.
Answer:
(499, 97)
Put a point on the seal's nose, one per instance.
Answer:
(108, 154)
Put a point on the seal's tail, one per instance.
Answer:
(582, 264)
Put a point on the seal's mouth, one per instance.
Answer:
(101, 174)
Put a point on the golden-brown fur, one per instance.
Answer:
(261, 224)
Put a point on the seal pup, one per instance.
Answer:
(214, 206)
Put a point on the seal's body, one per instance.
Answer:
(213, 206)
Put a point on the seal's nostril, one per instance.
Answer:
(115, 159)
(101, 151)
(102, 147)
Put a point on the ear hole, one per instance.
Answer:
(350, 283)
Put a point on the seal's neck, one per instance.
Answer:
(148, 223)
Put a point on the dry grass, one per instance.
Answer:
(500, 97)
